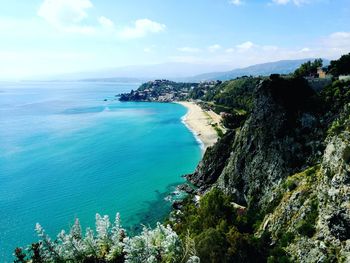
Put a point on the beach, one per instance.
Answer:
(200, 122)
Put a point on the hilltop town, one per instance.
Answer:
(166, 91)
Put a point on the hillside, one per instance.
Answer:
(276, 188)
(265, 69)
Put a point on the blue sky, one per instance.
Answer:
(47, 37)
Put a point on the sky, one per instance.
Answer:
(48, 37)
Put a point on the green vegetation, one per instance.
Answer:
(109, 244)
(158, 86)
(235, 119)
(336, 95)
(308, 68)
(340, 66)
(216, 229)
(307, 226)
(205, 91)
(219, 132)
(159, 90)
(233, 97)
(237, 94)
(223, 232)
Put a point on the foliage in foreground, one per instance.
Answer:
(109, 243)
(225, 233)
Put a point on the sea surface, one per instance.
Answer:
(65, 152)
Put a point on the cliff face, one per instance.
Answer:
(280, 137)
(213, 162)
(290, 163)
(315, 208)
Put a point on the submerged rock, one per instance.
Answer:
(185, 188)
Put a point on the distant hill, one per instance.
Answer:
(142, 73)
(182, 72)
(265, 69)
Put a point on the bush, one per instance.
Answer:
(340, 66)
(308, 68)
(290, 184)
(110, 244)
(211, 246)
(221, 232)
(278, 255)
(306, 226)
(214, 207)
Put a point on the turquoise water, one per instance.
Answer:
(66, 153)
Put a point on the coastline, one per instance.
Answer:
(199, 123)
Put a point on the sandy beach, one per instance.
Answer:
(199, 121)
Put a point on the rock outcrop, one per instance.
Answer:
(213, 162)
(281, 137)
(289, 163)
(315, 208)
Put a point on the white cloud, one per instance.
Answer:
(105, 22)
(296, 2)
(141, 28)
(339, 40)
(189, 49)
(281, 2)
(214, 48)
(150, 49)
(249, 53)
(236, 2)
(230, 50)
(245, 46)
(269, 48)
(66, 15)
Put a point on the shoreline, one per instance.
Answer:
(199, 123)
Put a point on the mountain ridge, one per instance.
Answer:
(184, 72)
(263, 69)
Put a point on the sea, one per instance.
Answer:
(71, 149)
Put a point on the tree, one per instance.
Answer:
(308, 68)
(340, 66)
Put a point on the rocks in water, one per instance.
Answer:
(186, 188)
(213, 162)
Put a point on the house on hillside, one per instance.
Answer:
(321, 72)
(320, 80)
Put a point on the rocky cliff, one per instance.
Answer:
(290, 164)
(315, 206)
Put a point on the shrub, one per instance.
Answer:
(278, 255)
(340, 66)
(308, 68)
(291, 185)
(306, 226)
(211, 246)
(214, 207)
(109, 244)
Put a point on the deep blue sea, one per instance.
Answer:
(67, 153)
